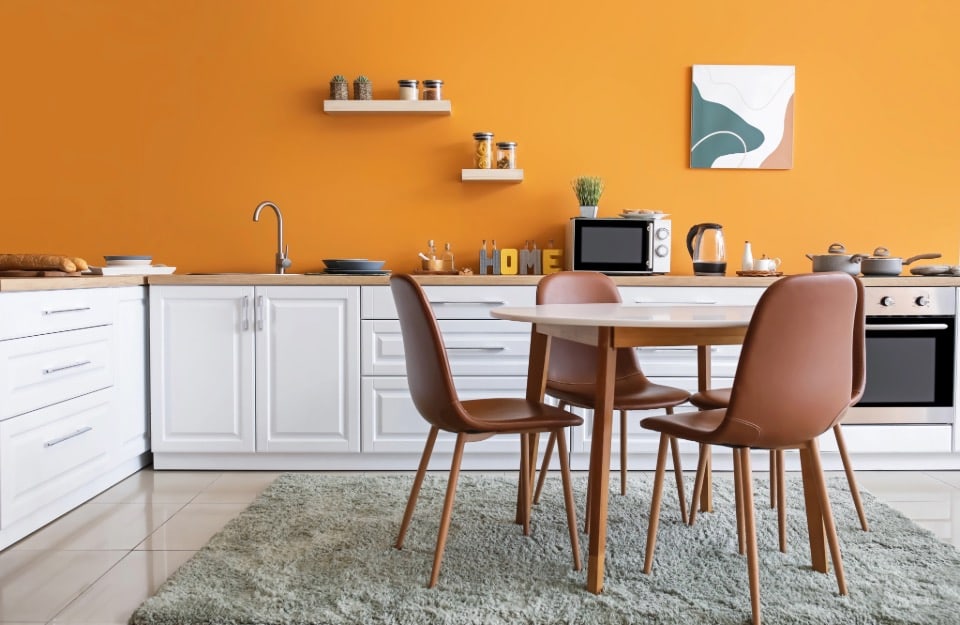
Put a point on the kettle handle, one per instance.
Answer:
(690, 234)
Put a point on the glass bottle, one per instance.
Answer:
(408, 89)
(747, 263)
(483, 150)
(506, 155)
(432, 89)
(448, 264)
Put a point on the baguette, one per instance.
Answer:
(80, 263)
(39, 262)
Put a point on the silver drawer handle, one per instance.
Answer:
(65, 310)
(260, 312)
(65, 367)
(674, 302)
(491, 302)
(477, 349)
(66, 437)
(906, 327)
(246, 312)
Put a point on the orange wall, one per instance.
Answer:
(156, 126)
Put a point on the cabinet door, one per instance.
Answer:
(130, 374)
(308, 344)
(201, 369)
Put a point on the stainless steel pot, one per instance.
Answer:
(882, 264)
(837, 259)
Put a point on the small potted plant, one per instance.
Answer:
(588, 190)
(362, 88)
(339, 90)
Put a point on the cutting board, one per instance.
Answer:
(35, 273)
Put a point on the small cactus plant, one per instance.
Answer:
(339, 89)
(362, 88)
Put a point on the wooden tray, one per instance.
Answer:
(759, 274)
(36, 273)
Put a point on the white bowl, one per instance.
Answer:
(127, 261)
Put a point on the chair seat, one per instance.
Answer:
(711, 399)
(631, 392)
(699, 427)
(507, 414)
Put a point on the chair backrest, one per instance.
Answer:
(859, 347)
(428, 370)
(576, 363)
(797, 365)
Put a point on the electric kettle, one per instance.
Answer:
(705, 244)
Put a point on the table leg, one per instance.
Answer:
(704, 374)
(818, 546)
(600, 458)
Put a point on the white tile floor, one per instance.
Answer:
(99, 562)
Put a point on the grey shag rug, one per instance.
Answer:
(317, 549)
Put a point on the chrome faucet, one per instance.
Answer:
(283, 259)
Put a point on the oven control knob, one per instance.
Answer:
(923, 300)
(662, 233)
(661, 251)
(886, 300)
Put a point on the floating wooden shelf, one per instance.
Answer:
(422, 107)
(491, 175)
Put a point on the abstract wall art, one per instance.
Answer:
(741, 116)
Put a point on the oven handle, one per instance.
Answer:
(905, 327)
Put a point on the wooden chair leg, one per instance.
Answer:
(828, 525)
(655, 503)
(697, 485)
(623, 452)
(773, 478)
(447, 508)
(525, 444)
(417, 483)
(678, 474)
(781, 481)
(551, 442)
(738, 502)
(568, 497)
(851, 478)
(753, 563)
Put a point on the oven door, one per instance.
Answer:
(910, 371)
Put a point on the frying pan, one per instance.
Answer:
(882, 264)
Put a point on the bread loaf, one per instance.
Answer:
(40, 262)
(80, 263)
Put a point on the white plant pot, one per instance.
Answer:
(588, 211)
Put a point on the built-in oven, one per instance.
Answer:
(911, 356)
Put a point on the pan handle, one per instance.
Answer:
(920, 257)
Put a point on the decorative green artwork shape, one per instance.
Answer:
(741, 116)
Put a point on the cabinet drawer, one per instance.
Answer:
(43, 370)
(40, 312)
(49, 453)
(449, 302)
(492, 347)
(691, 295)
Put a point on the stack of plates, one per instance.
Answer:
(643, 214)
(936, 270)
(355, 267)
(127, 261)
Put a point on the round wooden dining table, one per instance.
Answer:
(609, 327)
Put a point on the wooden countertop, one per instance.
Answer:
(90, 282)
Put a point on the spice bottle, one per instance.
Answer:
(448, 258)
(408, 89)
(483, 150)
(747, 263)
(431, 89)
(506, 155)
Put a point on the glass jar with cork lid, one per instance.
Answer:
(483, 150)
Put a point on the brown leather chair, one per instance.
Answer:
(793, 383)
(572, 369)
(720, 398)
(435, 396)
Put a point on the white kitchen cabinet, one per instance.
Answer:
(72, 400)
(243, 371)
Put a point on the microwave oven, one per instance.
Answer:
(618, 245)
